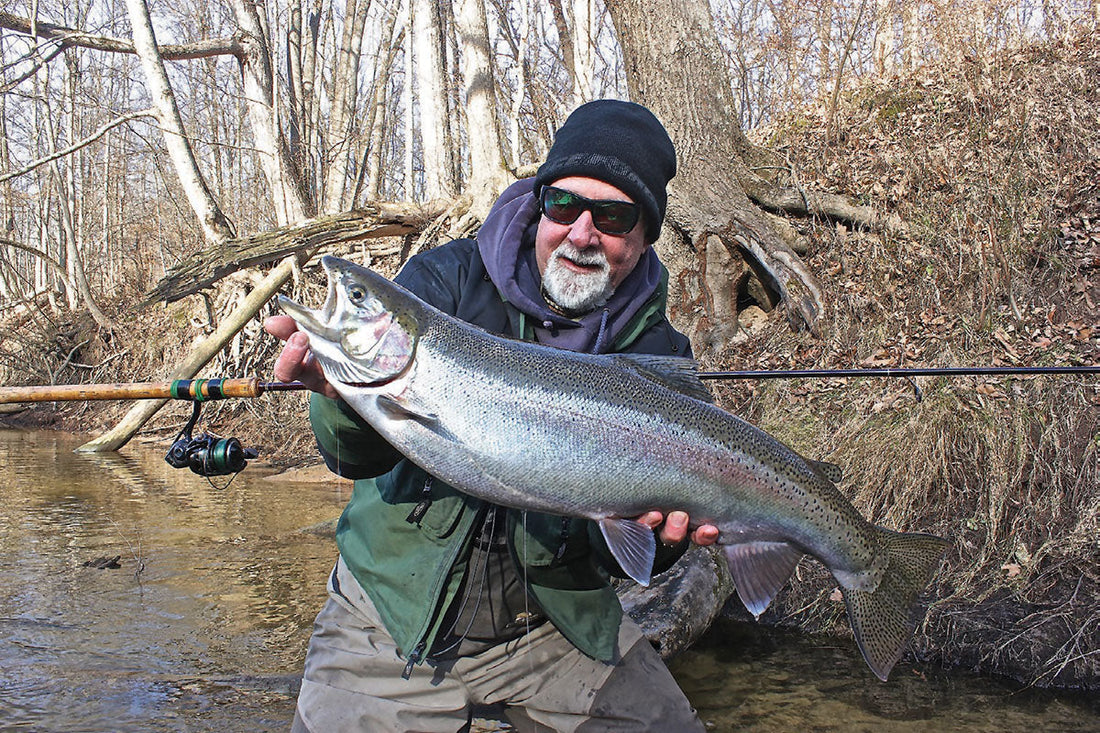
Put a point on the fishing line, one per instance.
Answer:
(526, 600)
(136, 555)
(488, 524)
(903, 372)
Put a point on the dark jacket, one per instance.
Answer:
(406, 536)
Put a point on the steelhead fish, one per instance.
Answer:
(608, 438)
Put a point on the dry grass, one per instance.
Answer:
(997, 171)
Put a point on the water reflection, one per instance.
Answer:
(743, 677)
(203, 627)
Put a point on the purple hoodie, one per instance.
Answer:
(507, 245)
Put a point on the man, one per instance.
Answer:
(440, 601)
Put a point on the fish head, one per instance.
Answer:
(365, 333)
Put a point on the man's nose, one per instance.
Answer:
(582, 232)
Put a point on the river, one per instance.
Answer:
(204, 625)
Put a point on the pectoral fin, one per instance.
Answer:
(633, 546)
(760, 570)
(403, 409)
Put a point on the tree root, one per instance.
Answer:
(798, 201)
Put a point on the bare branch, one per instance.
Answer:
(72, 37)
(54, 264)
(77, 145)
(40, 61)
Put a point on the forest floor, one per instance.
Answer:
(995, 168)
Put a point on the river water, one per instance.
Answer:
(204, 625)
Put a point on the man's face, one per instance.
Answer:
(580, 265)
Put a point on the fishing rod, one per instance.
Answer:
(190, 390)
(210, 455)
(204, 454)
(205, 390)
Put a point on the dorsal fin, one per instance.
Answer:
(678, 373)
(831, 471)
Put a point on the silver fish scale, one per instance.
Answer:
(579, 434)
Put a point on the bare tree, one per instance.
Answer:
(673, 66)
(380, 116)
(488, 174)
(283, 174)
(431, 95)
(214, 223)
(884, 41)
(342, 120)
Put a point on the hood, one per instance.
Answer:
(506, 242)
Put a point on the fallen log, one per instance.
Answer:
(204, 268)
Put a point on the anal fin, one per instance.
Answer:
(760, 570)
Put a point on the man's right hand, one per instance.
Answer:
(296, 362)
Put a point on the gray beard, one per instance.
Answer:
(576, 292)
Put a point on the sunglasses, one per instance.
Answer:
(610, 217)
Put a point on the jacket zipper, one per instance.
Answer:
(414, 659)
(416, 656)
(423, 505)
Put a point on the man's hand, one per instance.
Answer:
(675, 528)
(296, 362)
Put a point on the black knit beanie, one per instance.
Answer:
(620, 143)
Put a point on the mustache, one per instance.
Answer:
(584, 257)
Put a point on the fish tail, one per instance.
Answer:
(883, 619)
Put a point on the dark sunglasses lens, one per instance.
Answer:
(610, 217)
(614, 217)
(561, 206)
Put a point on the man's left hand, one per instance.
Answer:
(675, 527)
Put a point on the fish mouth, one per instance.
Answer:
(308, 319)
(316, 321)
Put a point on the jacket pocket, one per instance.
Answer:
(433, 506)
(544, 540)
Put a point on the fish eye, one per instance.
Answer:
(357, 294)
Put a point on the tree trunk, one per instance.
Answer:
(584, 55)
(288, 193)
(912, 35)
(380, 119)
(65, 182)
(431, 91)
(202, 269)
(345, 86)
(408, 101)
(675, 66)
(883, 52)
(215, 226)
(488, 175)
